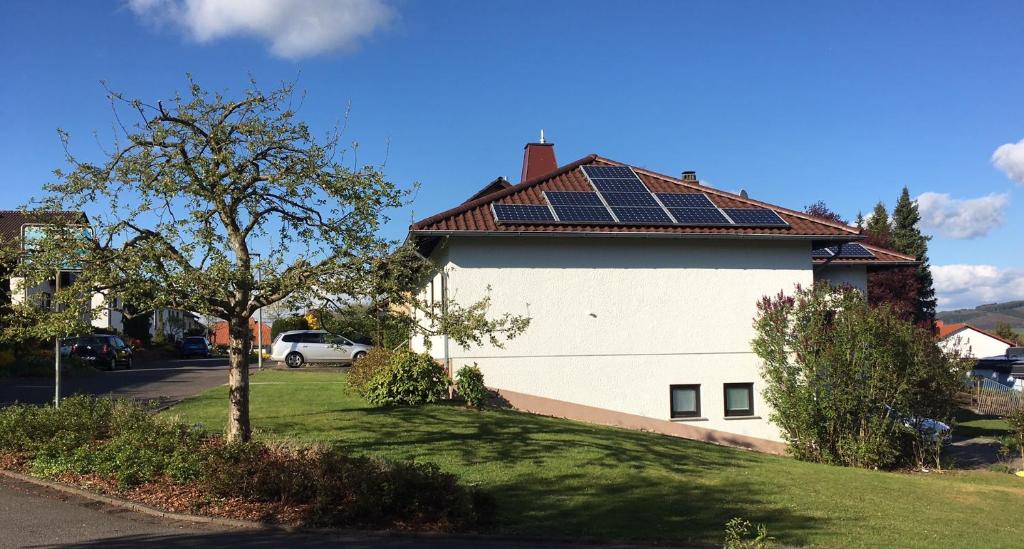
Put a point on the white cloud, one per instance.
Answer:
(964, 286)
(294, 28)
(1010, 158)
(962, 217)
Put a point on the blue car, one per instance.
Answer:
(195, 346)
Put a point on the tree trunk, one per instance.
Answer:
(239, 429)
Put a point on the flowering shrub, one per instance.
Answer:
(845, 379)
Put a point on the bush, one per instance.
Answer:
(470, 383)
(120, 440)
(741, 534)
(843, 378)
(345, 490)
(117, 439)
(1015, 440)
(410, 378)
(363, 370)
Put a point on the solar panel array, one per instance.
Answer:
(620, 197)
(842, 251)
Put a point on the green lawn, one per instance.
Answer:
(970, 424)
(555, 477)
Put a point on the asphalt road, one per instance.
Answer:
(164, 381)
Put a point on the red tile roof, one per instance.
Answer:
(947, 330)
(476, 215)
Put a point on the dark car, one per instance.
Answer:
(194, 346)
(103, 351)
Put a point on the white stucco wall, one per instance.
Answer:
(855, 276)
(615, 321)
(975, 344)
(103, 317)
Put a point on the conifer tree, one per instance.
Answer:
(907, 238)
(879, 228)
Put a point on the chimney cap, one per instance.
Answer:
(689, 175)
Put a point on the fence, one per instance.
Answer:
(989, 397)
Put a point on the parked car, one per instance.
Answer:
(65, 346)
(298, 347)
(194, 346)
(104, 351)
(932, 428)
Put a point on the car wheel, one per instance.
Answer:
(294, 360)
(358, 356)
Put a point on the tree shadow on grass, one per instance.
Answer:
(571, 479)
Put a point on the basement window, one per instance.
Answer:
(685, 400)
(739, 399)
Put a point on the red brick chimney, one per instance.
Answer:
(538, 159)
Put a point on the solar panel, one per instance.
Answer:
(848, 250)
(699, 216)
(573, 198)
(628, 214)
(853, 250)
(623, 172)
(587, 214)
(637, 200)
(619, 185)
(685, 200)
(755, 216)
(506, 213)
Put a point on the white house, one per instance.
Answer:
(975, 342)
(641, 289)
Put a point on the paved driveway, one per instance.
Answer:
(165, 381)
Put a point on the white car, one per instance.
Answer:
(298, 347)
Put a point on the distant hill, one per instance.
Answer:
(988, 317)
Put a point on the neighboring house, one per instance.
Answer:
(641, 304)
(174, 324)
(975, 342)
(1006, 369)
(219, 333)
(17, 227)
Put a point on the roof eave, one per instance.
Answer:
(630, 234)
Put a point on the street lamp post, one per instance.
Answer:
(56, 346)
(259, 322)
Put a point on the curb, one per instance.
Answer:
(137, 507)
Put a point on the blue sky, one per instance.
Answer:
(792, 101)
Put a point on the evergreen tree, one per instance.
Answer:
(859, 222)
(907, 238)
(879, 228)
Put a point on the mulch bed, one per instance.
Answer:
(164, 495)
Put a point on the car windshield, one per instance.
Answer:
(195, 341)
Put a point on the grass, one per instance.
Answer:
(560, 478)
(970, 424)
